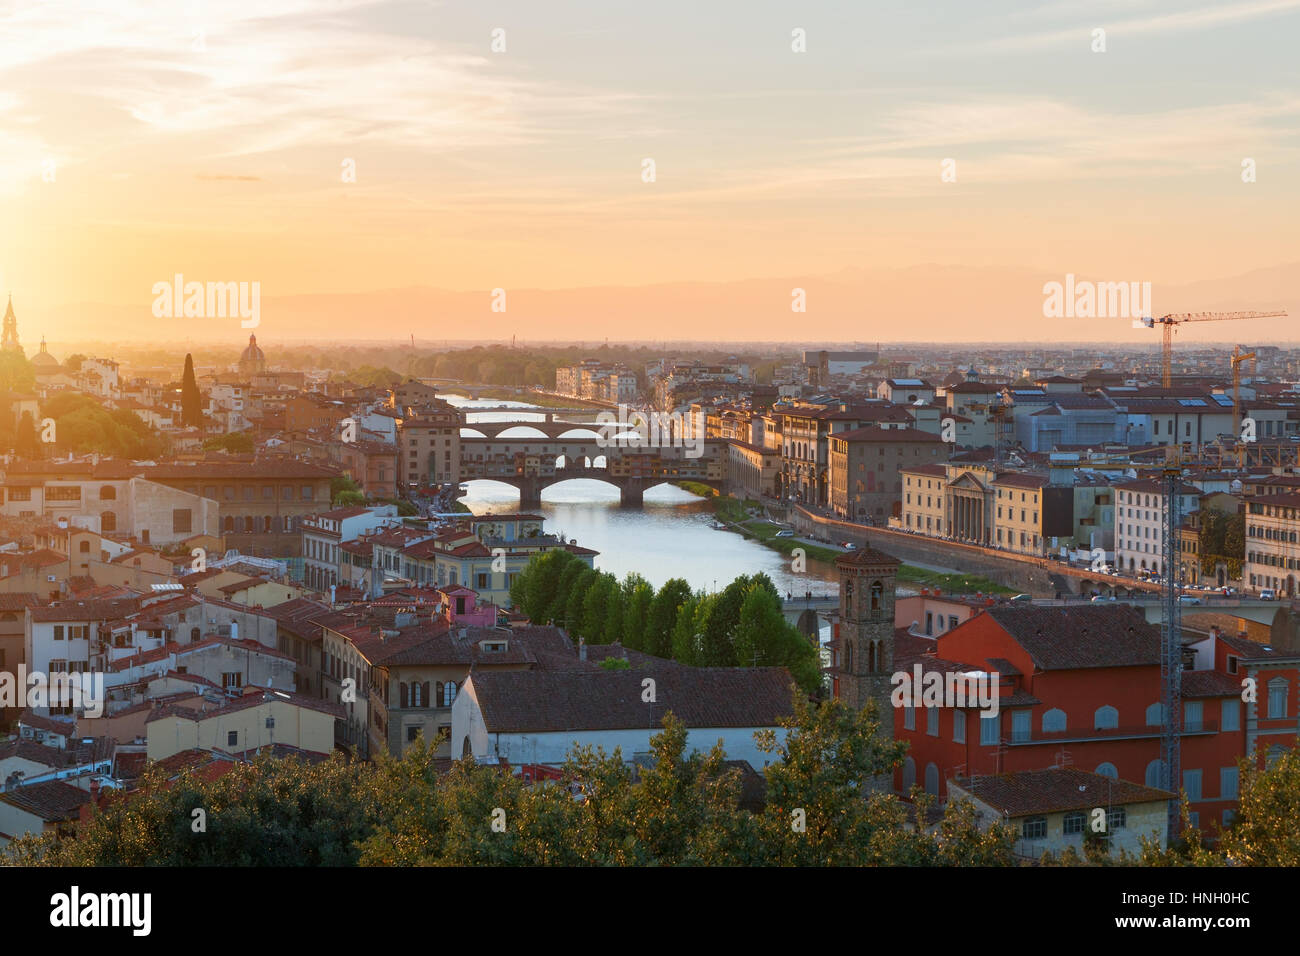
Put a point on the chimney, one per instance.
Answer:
(582, 649)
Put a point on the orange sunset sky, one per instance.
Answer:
(143, 139)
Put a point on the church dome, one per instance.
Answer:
(43, 359)
(253, 353)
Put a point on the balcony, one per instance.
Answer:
(1204, 728)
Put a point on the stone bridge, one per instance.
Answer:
(533, 464)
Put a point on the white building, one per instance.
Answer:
(1139, 522)
(323, 533)
(538, 716)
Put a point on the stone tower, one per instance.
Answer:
(866, 631)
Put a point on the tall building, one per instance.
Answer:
(865, 632)
(9, 342)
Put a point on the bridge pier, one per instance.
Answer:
(530, 494)
(631, 494)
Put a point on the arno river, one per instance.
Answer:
(671, 536)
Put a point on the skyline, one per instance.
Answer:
(214, 142)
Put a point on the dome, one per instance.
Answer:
(252, 353)
(43, 359)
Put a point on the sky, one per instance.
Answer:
(915, 168)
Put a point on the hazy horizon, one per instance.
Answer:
(379, 167)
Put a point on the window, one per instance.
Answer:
(1192, 784)
(1074, 822)
(1034, 828)
(1105, 718)
(932, 721)
(181, 520)
(959, 726)
(932, 780)
(1192, 710)
(909, 718)
(1156, 715)
(1116, 819)
(1020, 724)
(58, 632)
(306, 492)
(1107, 770)
(1231, 714)
(449, 693)
(988, 731)
(411, 734)
(1228, 783)
(1277, 698)
(232, 738)
(107, 521)
(1054, 721)
(232, 680)
(909, 774)
(1155, 776)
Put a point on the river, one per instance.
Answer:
(670, 536)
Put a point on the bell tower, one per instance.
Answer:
(866, 631)
(9, 340)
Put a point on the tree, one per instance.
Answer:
(575, 605)
(16, 373)
(191, 400)
(658, 636)
(637, 595)
(691, 618)
(233, 443)
(595, 608)
(764, 638)
(341, 485)
(26, 444)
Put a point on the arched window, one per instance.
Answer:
(107, 521)
(873, 661)
(417, 694)
(1105, 718)
(228, 524)
(405, 695)
(84, 547)
(909, 774)
(1054, 721)
(107, 493)
(1155, 773)
(449, 693)
(1156, 715)
(248, 524)
(465, 750)
(932, 779)
(877, 592)
(1107, 770)
(848, 656)
(266, 524)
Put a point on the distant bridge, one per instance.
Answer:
(533, 464)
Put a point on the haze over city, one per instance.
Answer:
(217, 141)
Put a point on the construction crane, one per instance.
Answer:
(1168, 322)
(1171, 651)
(1238, 357)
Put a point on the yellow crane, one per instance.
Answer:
(1168, 322)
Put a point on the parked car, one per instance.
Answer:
(1022, 599)
(1103, 597)
(848, 546)
(784, 534)
(1188, 599)
(1268, 594)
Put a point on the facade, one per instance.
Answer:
(863, 643)
(1139, 519)
(1273, 543)
(866, 481)
(428, 444)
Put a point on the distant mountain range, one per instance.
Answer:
(920, 303)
